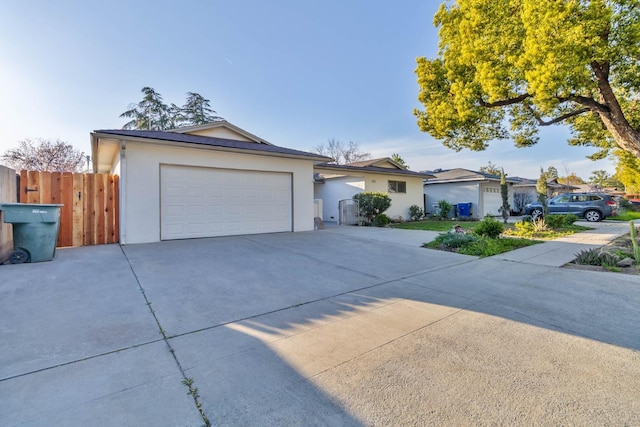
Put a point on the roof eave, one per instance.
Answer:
(165, 143)
(344, 169)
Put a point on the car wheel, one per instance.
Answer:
(592, 216)
(536, 213)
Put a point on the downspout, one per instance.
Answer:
(122, 195)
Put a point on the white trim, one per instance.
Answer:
(122, 204)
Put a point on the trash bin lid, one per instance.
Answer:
(17, 213)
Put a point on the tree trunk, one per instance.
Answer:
(625, 136)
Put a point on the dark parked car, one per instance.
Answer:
(590, 206)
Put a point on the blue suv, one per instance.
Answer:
(593, 207)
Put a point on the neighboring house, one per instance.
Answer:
(340, 182)
(525, 190)
(458, 185)
(205, 181)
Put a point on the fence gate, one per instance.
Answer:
(348, 212)
(90, 212)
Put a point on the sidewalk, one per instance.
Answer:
(553, 253)
(562, 250)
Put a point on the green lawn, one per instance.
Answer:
(436, 225)
(626, 215)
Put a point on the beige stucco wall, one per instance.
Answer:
(140, 184)
(400, 202)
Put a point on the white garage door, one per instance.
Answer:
(491, 201)
(208, 202)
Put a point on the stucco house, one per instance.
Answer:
(459, 185)
(205, 181)
(341, 182)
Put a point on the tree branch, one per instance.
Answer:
(589, 103)
(518, 99)
(558, 119)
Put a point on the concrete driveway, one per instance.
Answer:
(343, 326)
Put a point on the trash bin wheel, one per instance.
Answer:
(18, 256)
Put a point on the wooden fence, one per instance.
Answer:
(90, 212)
(8, 194)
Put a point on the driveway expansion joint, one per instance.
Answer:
(188, 382)
(84, 359)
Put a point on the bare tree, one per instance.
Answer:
(45, 155)
(340, 152)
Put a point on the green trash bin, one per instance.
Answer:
(35, 230)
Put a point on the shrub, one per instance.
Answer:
(415, 213)
(443, 209)
(560, 221)
(539, 225)
(625, 203)
(451, 241)
(528, 227)
(469, 244)
(555, 221)
(372, 204)
(569, 219)
(489, 227)
(524, 227)
(597, 257)
(381, 220)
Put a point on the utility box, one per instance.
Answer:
(35, 231)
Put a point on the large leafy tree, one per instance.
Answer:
(603, 178)
(628, 172)
(45, 155)
(399, 160)
(571, 179)
(151, 113)
(505, 68)
(197, 110)
(490, 168)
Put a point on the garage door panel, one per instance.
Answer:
(209, 202)
(492, 200)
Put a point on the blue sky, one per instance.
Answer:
(295, 73)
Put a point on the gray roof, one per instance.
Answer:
(211, 142)
(463, 175)
(374, 169)
(552, 183)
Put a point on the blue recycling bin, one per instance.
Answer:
(35, 231)
(464, 210)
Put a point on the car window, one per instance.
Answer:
(594, 198)
(561, 199)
